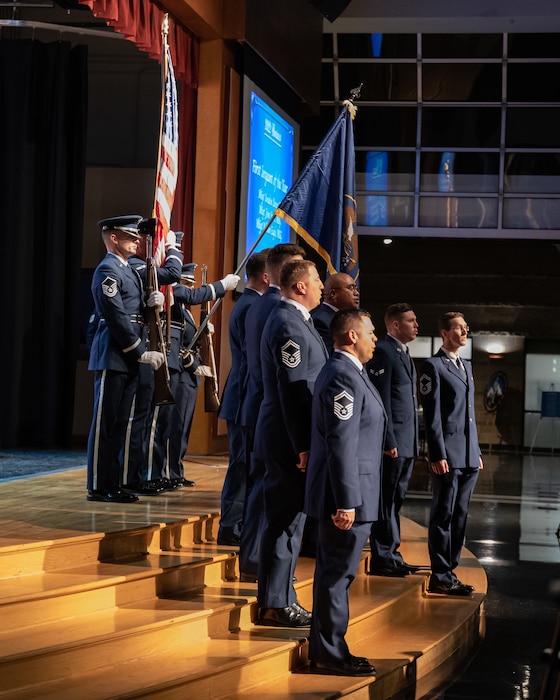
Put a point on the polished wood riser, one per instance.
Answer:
(151, 606)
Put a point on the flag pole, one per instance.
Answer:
(239, 269)
(164, 33)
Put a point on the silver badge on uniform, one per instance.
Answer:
(109, 286)
(291, 354)
(344, 405)
(425, 384)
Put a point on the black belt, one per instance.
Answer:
(135, 318)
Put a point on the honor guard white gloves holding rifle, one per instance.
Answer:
(151, 357)
(230, 282)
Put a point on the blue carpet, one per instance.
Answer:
(19, 464)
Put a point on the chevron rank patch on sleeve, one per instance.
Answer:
(109, 286)
(425, 384)
(343, 405)
(291, 354)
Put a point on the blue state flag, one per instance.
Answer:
(321, 205)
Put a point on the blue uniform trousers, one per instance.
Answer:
(253, 516)
(386, 532)
(113, 397)
(281, 534)
(235, 484)
(451, 495)
(338, 557)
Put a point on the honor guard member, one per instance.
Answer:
(292, 355)
(117, 351)
(251, 400)
(235, 483)
(135, 467)
(393, 373)
(447, 389)
(341, 292)
(172, 423)
(343, 485)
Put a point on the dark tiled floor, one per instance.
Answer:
(512, 526)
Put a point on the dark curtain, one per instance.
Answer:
(140, 21)
(43, 112)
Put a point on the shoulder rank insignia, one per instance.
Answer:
(425, 384)
(291, 354)
(344, 405)
(109, 286)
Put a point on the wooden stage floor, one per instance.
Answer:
(53, 506)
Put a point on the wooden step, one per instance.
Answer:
(148, 605)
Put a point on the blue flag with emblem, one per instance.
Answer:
(321, 205)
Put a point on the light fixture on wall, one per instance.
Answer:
(498, 343)
(387, 241)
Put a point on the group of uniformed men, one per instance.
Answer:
(135, 447)
(322, 428)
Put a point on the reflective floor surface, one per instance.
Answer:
(513, 520)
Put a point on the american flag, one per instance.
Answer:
(168, 158)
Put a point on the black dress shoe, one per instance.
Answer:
(142, 488)
(413, 568)
(163, 484)
(301, 609)
(180, 482)
(229, 541)
(363, 660)
(395, 572)
(112, 496)
(344, 668)
(466, 585)
(456, 588)
(284, 617)
(248, 578)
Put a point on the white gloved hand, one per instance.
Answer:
(171, 240)
(151, 357)
(156, 299)
(230, 282)
(210, 327)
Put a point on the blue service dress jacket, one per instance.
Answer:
(252, 391)
(231, 397)
(393, 374)
(448, 402)
(322, 316)
(349, 424)
(292, 355)
(119, 304)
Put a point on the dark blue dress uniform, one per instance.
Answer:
(251, 400)
(344, 472)
(235, 483)
(448, 402)
(117, 344)
(172, 423)
(393, 373)
(292, 355)
(322, 317)
(136, 458)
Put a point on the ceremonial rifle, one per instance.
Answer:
(162, 385)
(207, 367)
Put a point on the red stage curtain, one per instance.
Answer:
(140, 22)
